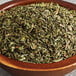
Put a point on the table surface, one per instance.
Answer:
(4, 73)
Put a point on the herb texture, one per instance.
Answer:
(38, 33)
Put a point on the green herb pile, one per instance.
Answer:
(38, 33)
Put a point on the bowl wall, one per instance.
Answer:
(27, 69)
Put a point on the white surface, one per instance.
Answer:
(4, 73)
(3, 1)
(71, 1)
(73, 73)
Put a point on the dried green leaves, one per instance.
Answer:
(38, 33)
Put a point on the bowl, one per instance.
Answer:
(17, 68)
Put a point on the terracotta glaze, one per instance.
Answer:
(17, 68)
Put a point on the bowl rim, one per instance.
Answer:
(31, 66)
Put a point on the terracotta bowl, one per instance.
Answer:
(17, 68)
